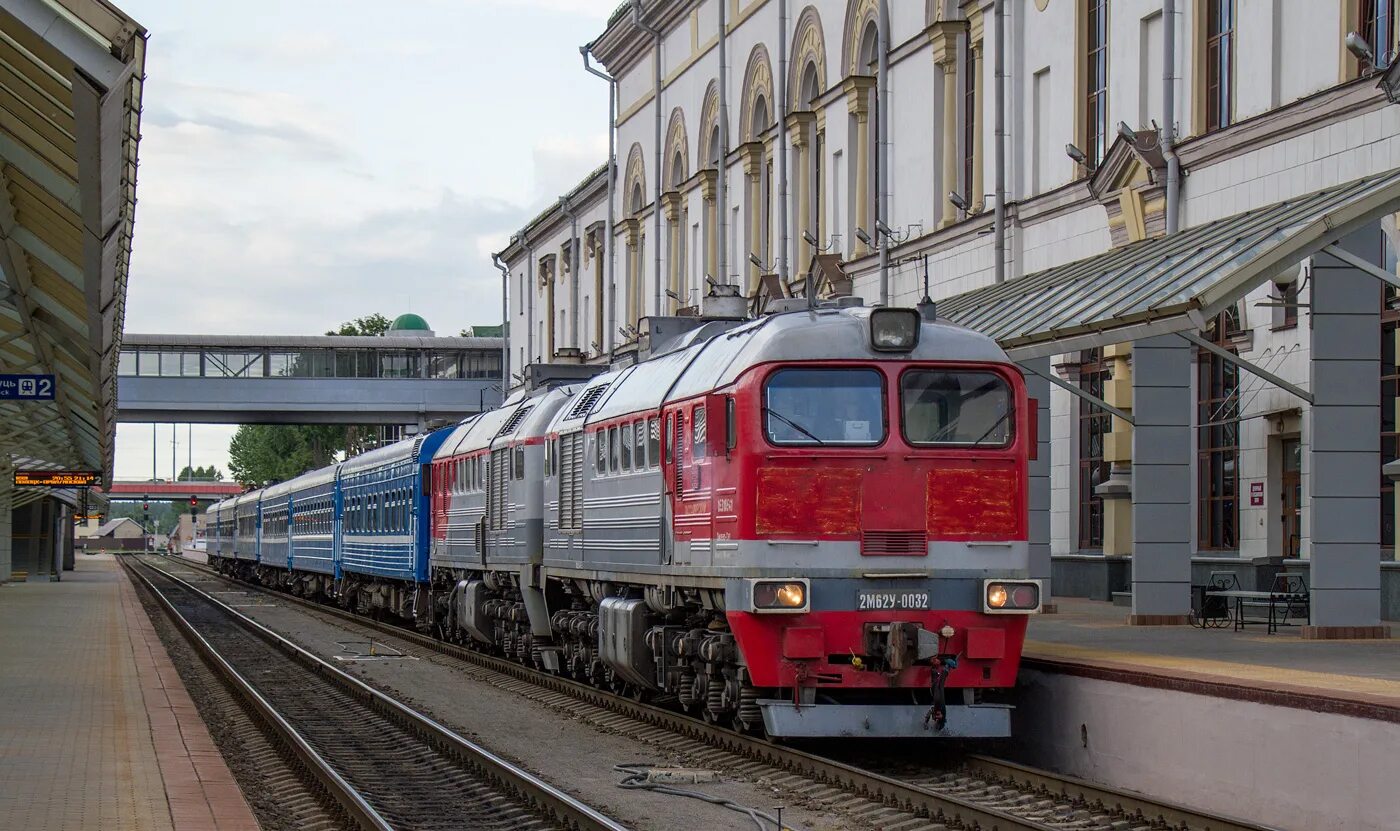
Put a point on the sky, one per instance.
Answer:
(306, 163)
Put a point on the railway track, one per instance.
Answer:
(388, 767)
(979, 792)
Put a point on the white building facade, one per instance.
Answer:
(780, 152)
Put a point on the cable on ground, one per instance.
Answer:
(636, 779)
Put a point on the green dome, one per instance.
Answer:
(409, 322)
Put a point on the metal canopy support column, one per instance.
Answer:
(1344, 514)
(1161, 489)
(7, 487)
(1038, 388)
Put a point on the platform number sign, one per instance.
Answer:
(26, 387)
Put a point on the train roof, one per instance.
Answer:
(412, 448)
(698, 364)
(520, 417)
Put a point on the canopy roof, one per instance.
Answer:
(1169, 284)
(71, 75)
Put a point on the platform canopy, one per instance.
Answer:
(1175, 283)
(71, 74)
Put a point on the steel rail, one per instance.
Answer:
(554, 802)
(340, 791)
(908, 796)
(1166, 814)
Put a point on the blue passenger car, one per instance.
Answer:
(385, 514)
(313, 510)
(276, 518)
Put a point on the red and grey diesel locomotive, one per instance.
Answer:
(809, 524)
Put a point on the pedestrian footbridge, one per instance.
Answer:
(332, 379)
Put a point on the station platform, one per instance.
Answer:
(1092, 638)
(96, 728)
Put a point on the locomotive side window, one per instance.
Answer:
(824, 406)
(600, 453)
(963, 408)
(670, 417)
(613, 466)
(625, 446)
(698, 432)
(639, 454)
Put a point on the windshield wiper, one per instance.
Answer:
(794, 425)
(995, 425)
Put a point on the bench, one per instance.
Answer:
(1287, 597)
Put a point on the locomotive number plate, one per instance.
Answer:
(867, 601)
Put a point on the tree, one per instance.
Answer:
(263, 454)
(375, 324)
(200, 474)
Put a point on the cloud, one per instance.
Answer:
(561, 162)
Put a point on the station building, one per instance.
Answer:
(751, 149)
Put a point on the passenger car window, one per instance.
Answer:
(943, 407)
(824, 406)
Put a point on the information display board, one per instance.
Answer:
(58, 478)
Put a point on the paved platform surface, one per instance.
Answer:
(96, 728)
(1281, 668)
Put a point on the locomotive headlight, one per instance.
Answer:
(894, 330)
(780, 596)
(1011, 596)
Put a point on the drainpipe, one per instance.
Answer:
(882, 204)
(505, 325)
(722, 177)
(573, 267)
(1168, 138)
(529, 303)
(999, 217)
(612, 187)
(781, 110)
(656, 174)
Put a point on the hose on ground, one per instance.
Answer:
(636, 779)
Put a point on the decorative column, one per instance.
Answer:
(671, 204)
(633, 231)
(751, 159)
(800, 131)
(1118, 454)
(1161, 481)
(944, 37)
(1038, 494)
(858, 104)
(1343, 429)
(709, 181)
